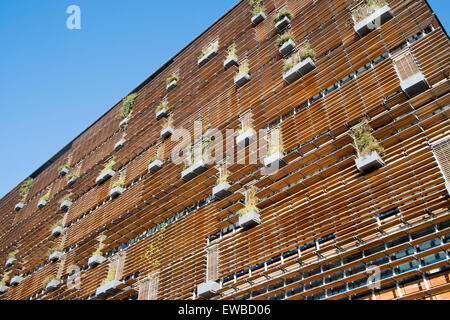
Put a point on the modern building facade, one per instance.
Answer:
(334, 180)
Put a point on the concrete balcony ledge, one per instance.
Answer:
(52, 285)
(3, 289)
(287, 47)
(71, 181)
(172, 85)
(109, 289)
(105, 176)
(274, 160)
(373, 21)
(63, 171)
(19, 206)
(155, 166)
(16, 280)
(258, 18)
(55, 256)
(249, 220)
(162, 113)
(231, 61)
(65, 205)
(203, 60)
(369, 162)
(10, 262)
(447, 185)
(222, 190)
(246, 138)
(166, 132)
(95, 260)
(57, 231)
(241, 79)
(123, 123)
(208, 289)
(119, 144)
(115, 192)
(299, 70)
(188, 174)
(42, 204)
(283, 24)
(414, 85)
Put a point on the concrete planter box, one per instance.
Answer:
(208, 289)
(258, 18)
(161, 114)
(299, 70)
(155, 166)
(65, 205)
(123, 123)
(172, 85)
(108, 289)
(119, 144)
(246, 138)
(10, 262)
(369, 162)
(166, 132)
(249, 220)
(57, 231)
(95, 260)
(273, 160)
(282, 24)
(447, 185)
(52, 285)
(414, 84)
(373, 21)
(3, 289)
(287, 47)
(55, 256)
(42, 204)
(105, 176)
(202, 61)
(222, 190)
(19, 206)
(115, 192)
(63, 172)
(199, 167)
(188, 174)
(232, 61)
(16, 280)
(241, 79)
(71, 181)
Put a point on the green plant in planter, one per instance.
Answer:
(109, 165)
(110, 277)
(164, 105)
(66, 197)
(127, 105)
(366, 8)
(119, 183)
(243, 68)
(250, 202)
(25, 187)
(154, 158)
(73, 175)
(54, 249)
(172, 78)
(275, 146)
(212, 46)
(50, 278)
(257, 7)
(168, 122)
(101, 246)
(12, 255)
(285, 37)
(365, 141)
(304, 53)
(4, 280)
(45, 197)
(224, 174)
(232, 51)
(57, 224)
(282, 14)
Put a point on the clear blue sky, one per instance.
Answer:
(55, 82)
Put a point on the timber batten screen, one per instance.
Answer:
(322, 223)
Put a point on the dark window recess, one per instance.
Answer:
(355, 270)
(397, 242)
(308, 246)
(273, 260)
(334, 277)
(259, 292)
(293, 279)
(302, 106)
(290, 253)
(361, 295)
(258, 266)
(246, 297)
(228, 278)
(374, 250)
(311, 273)
(314, 284)
(352, 258)
(241, 273)
(294, 291)
(389, 213)
(422, 233)
(326, 238)
(331, 265)
(279, 296)
(276, 286)
(444, 225)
